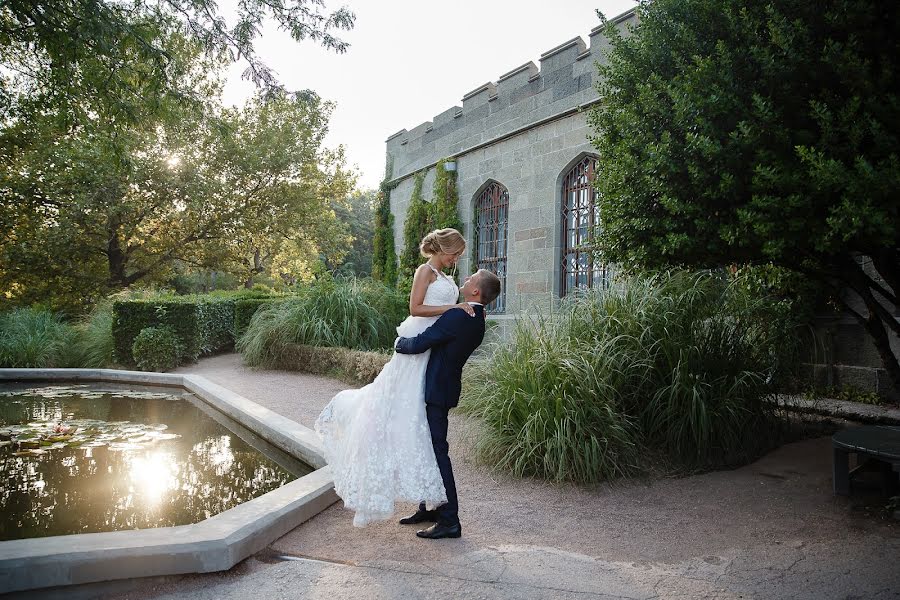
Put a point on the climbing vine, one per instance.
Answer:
(423, 217)
(446, 198)
(384, 261)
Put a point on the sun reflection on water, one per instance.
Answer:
(153, 475)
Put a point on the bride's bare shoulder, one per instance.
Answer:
(425, 271)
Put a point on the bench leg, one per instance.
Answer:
(841, 472)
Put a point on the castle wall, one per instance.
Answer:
(523, 131)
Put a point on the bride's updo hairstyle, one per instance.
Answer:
(448, 241)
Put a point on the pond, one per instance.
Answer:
(102, 457)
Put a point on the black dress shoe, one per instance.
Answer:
(440, 530)
(421, 516)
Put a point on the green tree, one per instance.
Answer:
(737, 132)
(384, 259)
(108, 56)
(277, 184)
(358, 215)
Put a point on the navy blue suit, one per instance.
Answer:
(452, 339)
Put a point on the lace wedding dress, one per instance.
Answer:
(377, 439)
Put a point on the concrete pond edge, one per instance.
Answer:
(214, 544)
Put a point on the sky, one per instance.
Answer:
(412, 59)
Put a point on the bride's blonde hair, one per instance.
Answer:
(448, 241)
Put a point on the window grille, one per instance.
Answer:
(491, 226)
(580, 215)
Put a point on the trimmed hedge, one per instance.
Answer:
(156, 349)
(204, 324)
(130, 317)
(354, 366)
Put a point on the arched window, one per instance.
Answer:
(491, 224)
(580, 215)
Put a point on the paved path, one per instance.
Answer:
(771, 529)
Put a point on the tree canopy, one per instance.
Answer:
(737, 132)
(97, 195)
(116, 57)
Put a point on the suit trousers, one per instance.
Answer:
(448, 513)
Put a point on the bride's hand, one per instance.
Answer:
(470, 310)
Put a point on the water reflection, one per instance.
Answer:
(111, 484)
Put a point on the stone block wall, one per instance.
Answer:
(524, 131)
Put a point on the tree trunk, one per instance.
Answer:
(874, 321)
(116, 258)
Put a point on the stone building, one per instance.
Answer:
(524, 164)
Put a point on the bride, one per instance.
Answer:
(376, 438)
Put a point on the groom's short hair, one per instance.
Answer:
(489, 284)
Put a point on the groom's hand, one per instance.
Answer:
(396, 341)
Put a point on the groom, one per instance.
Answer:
(452, 339)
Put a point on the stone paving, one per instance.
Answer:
(771, 529)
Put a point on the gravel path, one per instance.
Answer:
(771, 529)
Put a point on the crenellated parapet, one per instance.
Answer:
(522, 98)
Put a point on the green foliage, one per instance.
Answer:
(677, 366)
(205, 324)
(130, 317)
(349, 313)
(34, 338)
(734, 132)
(356, 367)
(117, 59)
(446, 199)
(384, 259)
(358, 215)
(157, 349)
(419, 222)
(100, 205)
(244, 310)
(847, 393)
(94, 345)
(423, 217)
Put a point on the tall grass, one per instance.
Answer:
(94, 344)
(677, 366)
(348, 313)
(35, 338)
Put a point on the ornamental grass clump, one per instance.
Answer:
(94, 343)
(674, 370)
(348, 313)
(35, 338)
(550, 407)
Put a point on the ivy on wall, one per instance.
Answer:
(446, 199)
(423, 217)
(419, 221)
(384, 261)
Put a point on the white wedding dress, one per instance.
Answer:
(377, 439)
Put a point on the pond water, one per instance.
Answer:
(89, 458)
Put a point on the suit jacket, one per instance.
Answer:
(452, 339)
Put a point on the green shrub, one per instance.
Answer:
(676, 366)
(157, 349)
(551, 407)
(215, 323)
(130, 317)
(349, 313)
(354, 366)
(205, 323)
(35, 338)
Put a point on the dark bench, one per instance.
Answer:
(875, 446)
